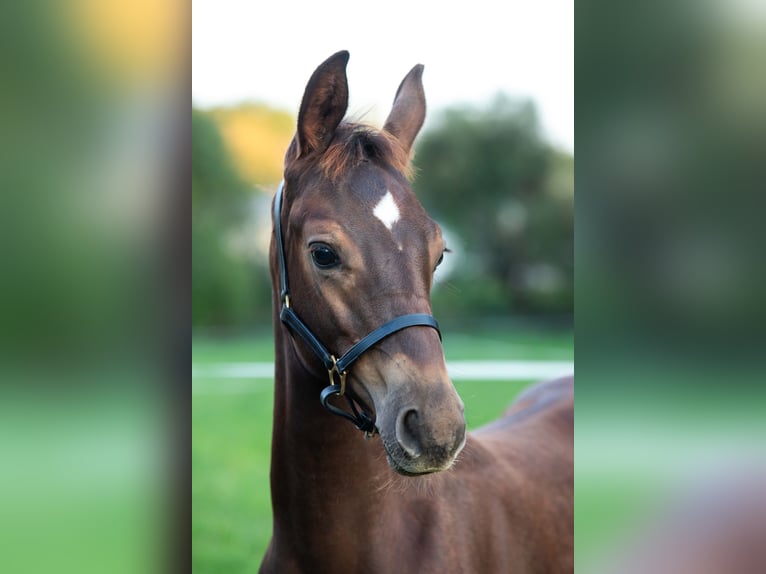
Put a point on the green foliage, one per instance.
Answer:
(217, 190)
(489, 176)
(227, 288)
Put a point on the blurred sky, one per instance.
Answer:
(266, 51)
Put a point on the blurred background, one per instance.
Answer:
(94, 253)
(494, 166)
(98, 158)
(670, 441)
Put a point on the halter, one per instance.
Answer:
(337, 369)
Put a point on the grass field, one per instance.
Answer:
(231, 436)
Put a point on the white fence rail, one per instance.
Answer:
(255, 377)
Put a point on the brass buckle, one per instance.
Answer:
(331, 372)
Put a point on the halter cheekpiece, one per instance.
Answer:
(337, 369)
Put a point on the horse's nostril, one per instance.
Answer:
(407, 432)
(411, 418)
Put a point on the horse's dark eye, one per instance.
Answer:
(441, 258)
(323, 255)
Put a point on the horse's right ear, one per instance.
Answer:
(323, 106)
(409, 111)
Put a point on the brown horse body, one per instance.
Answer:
(360, 250)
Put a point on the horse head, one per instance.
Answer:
(360, 250)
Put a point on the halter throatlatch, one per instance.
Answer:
(337, 369)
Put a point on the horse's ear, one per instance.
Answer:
(324, 104)
(409, 111)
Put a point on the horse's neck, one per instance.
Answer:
(323, 471)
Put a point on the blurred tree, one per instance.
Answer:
(489, 176)
(227, 288)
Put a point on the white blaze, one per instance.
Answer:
(387, 210)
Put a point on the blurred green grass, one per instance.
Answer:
(231, 435)
(231, 438)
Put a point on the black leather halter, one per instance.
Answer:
(337, 369)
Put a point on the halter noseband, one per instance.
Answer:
(337, 369)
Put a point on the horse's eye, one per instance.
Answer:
(441, 258)
(323, 255)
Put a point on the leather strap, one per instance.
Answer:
(291, 319)
(360, 419)
(283, 294)
(394, 325)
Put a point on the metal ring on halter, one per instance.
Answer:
(331, 372)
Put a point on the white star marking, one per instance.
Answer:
(387, 211)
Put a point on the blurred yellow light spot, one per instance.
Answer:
(133, 42)
(256, 137)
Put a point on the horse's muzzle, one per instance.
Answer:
(425, 440)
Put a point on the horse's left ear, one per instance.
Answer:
(409, 111)
(324, 105)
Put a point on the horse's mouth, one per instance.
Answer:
(407, 472)
(414, 469)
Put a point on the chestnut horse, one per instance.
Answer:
(352, 262)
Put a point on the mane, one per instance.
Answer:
(354, 143)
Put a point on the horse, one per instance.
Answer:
(352, 258)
